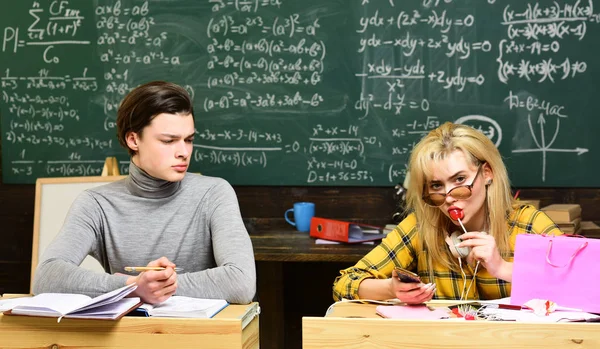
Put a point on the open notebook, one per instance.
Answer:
(186, 307)
(110, 306)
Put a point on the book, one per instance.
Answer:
(562, 213)
(571, 227)
(186, 307)
(570, 230)
(331, 229)
(590, 229)
(532, 202)
(9, 303)
(109, 306)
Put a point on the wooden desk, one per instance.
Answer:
(353, 325)
(290, 245)
(278, 253)
(222, 331)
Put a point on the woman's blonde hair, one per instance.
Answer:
(432, 224)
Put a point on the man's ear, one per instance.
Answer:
(132, 140)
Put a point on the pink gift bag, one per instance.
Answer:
(562, 269)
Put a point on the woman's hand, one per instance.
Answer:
(155, 286)
(411, 293)
(484, 249)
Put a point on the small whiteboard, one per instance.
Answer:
(53, 198)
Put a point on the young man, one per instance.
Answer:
(159, 215)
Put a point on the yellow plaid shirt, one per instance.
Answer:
(400, 249)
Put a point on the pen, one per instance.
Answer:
(149, 268)
(503, 306)
(595, 319)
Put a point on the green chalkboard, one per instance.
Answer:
(312, 92)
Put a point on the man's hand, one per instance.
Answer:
(155, 286)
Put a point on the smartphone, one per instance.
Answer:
(407, 276)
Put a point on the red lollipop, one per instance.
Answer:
(456, 213)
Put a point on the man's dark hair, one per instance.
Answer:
(145, 102)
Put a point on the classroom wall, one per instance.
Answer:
(262, 208)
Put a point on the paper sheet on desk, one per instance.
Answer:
(410, 312)
(491, 309)
(329, 242)
(358, 233)
(529, 316)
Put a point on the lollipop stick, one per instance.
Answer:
(459, 221)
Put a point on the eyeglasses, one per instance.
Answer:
(461, 192)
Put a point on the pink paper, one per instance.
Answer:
(412, 312)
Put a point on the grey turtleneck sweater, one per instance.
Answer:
(195, 223)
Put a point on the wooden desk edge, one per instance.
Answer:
(356, 329)
(133, 332)
(233, 312)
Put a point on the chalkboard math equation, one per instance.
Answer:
(314, 92)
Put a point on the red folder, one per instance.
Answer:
(331, 229)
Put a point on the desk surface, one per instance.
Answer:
(289, 245)
(283, 244)
(354, 326)
(222, 331)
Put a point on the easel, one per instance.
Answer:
(111, 167)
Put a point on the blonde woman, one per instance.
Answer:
(460, 235)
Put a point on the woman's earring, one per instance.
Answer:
(488, 182)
